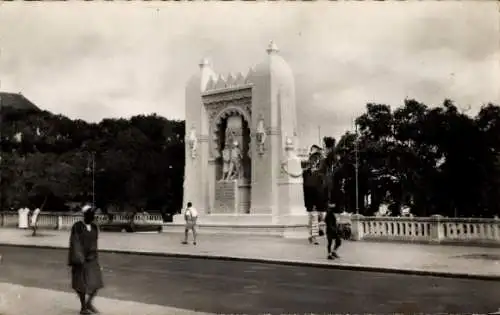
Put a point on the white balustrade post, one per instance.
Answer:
(437, 230)
(496, 229)
(356, 227)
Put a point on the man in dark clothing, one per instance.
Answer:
(315, 196)
(334, 194)
(332, 233)
(86, 276)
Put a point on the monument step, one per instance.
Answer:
(278, 230)
(247, 220)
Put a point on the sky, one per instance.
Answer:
(93, 60)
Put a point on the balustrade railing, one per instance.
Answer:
(435, 229)
(64, 221)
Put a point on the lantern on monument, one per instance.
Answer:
(192, 142)
(260, 135)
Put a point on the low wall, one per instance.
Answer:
(434, 229)
(64, 221)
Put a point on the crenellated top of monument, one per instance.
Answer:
(221, 82)
(229, 81)
(274, 64)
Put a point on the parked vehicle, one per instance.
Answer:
(130, 225)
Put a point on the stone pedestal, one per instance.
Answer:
(291, 200)
(231, 197)
(226, 197)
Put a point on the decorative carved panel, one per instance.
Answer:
(230, 95)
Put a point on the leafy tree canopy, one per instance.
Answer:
(434, 160)
(50, 159)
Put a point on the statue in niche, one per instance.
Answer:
(232, 154)
(226, 161)
(226, 153)
(234, 171)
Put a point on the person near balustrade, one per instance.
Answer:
(83, 258)
(333, 233)
(34, 220)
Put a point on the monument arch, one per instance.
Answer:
(219, 123)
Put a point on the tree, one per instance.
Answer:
(139, 162)
(435, 160)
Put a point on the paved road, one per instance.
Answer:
(239, 287)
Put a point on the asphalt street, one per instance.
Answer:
(239, 287)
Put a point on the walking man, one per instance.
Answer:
(332, 233)
(314, 193)
(191, 216)
(86, 276)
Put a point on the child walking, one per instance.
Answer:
(191, 216)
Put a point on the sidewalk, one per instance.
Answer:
(441, 260)
(19, 300)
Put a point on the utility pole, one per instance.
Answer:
(93, 180)
(356, 151)
(92, 169)
(319, 136)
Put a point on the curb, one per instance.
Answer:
(347, 267)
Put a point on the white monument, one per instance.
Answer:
(242, 172)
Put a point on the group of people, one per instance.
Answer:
(24, 223)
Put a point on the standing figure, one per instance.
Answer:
(235, 163)
(329, 171)
(191, 217)
(332, 233)
(86, 276)
(226, 161)
(34, 220)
